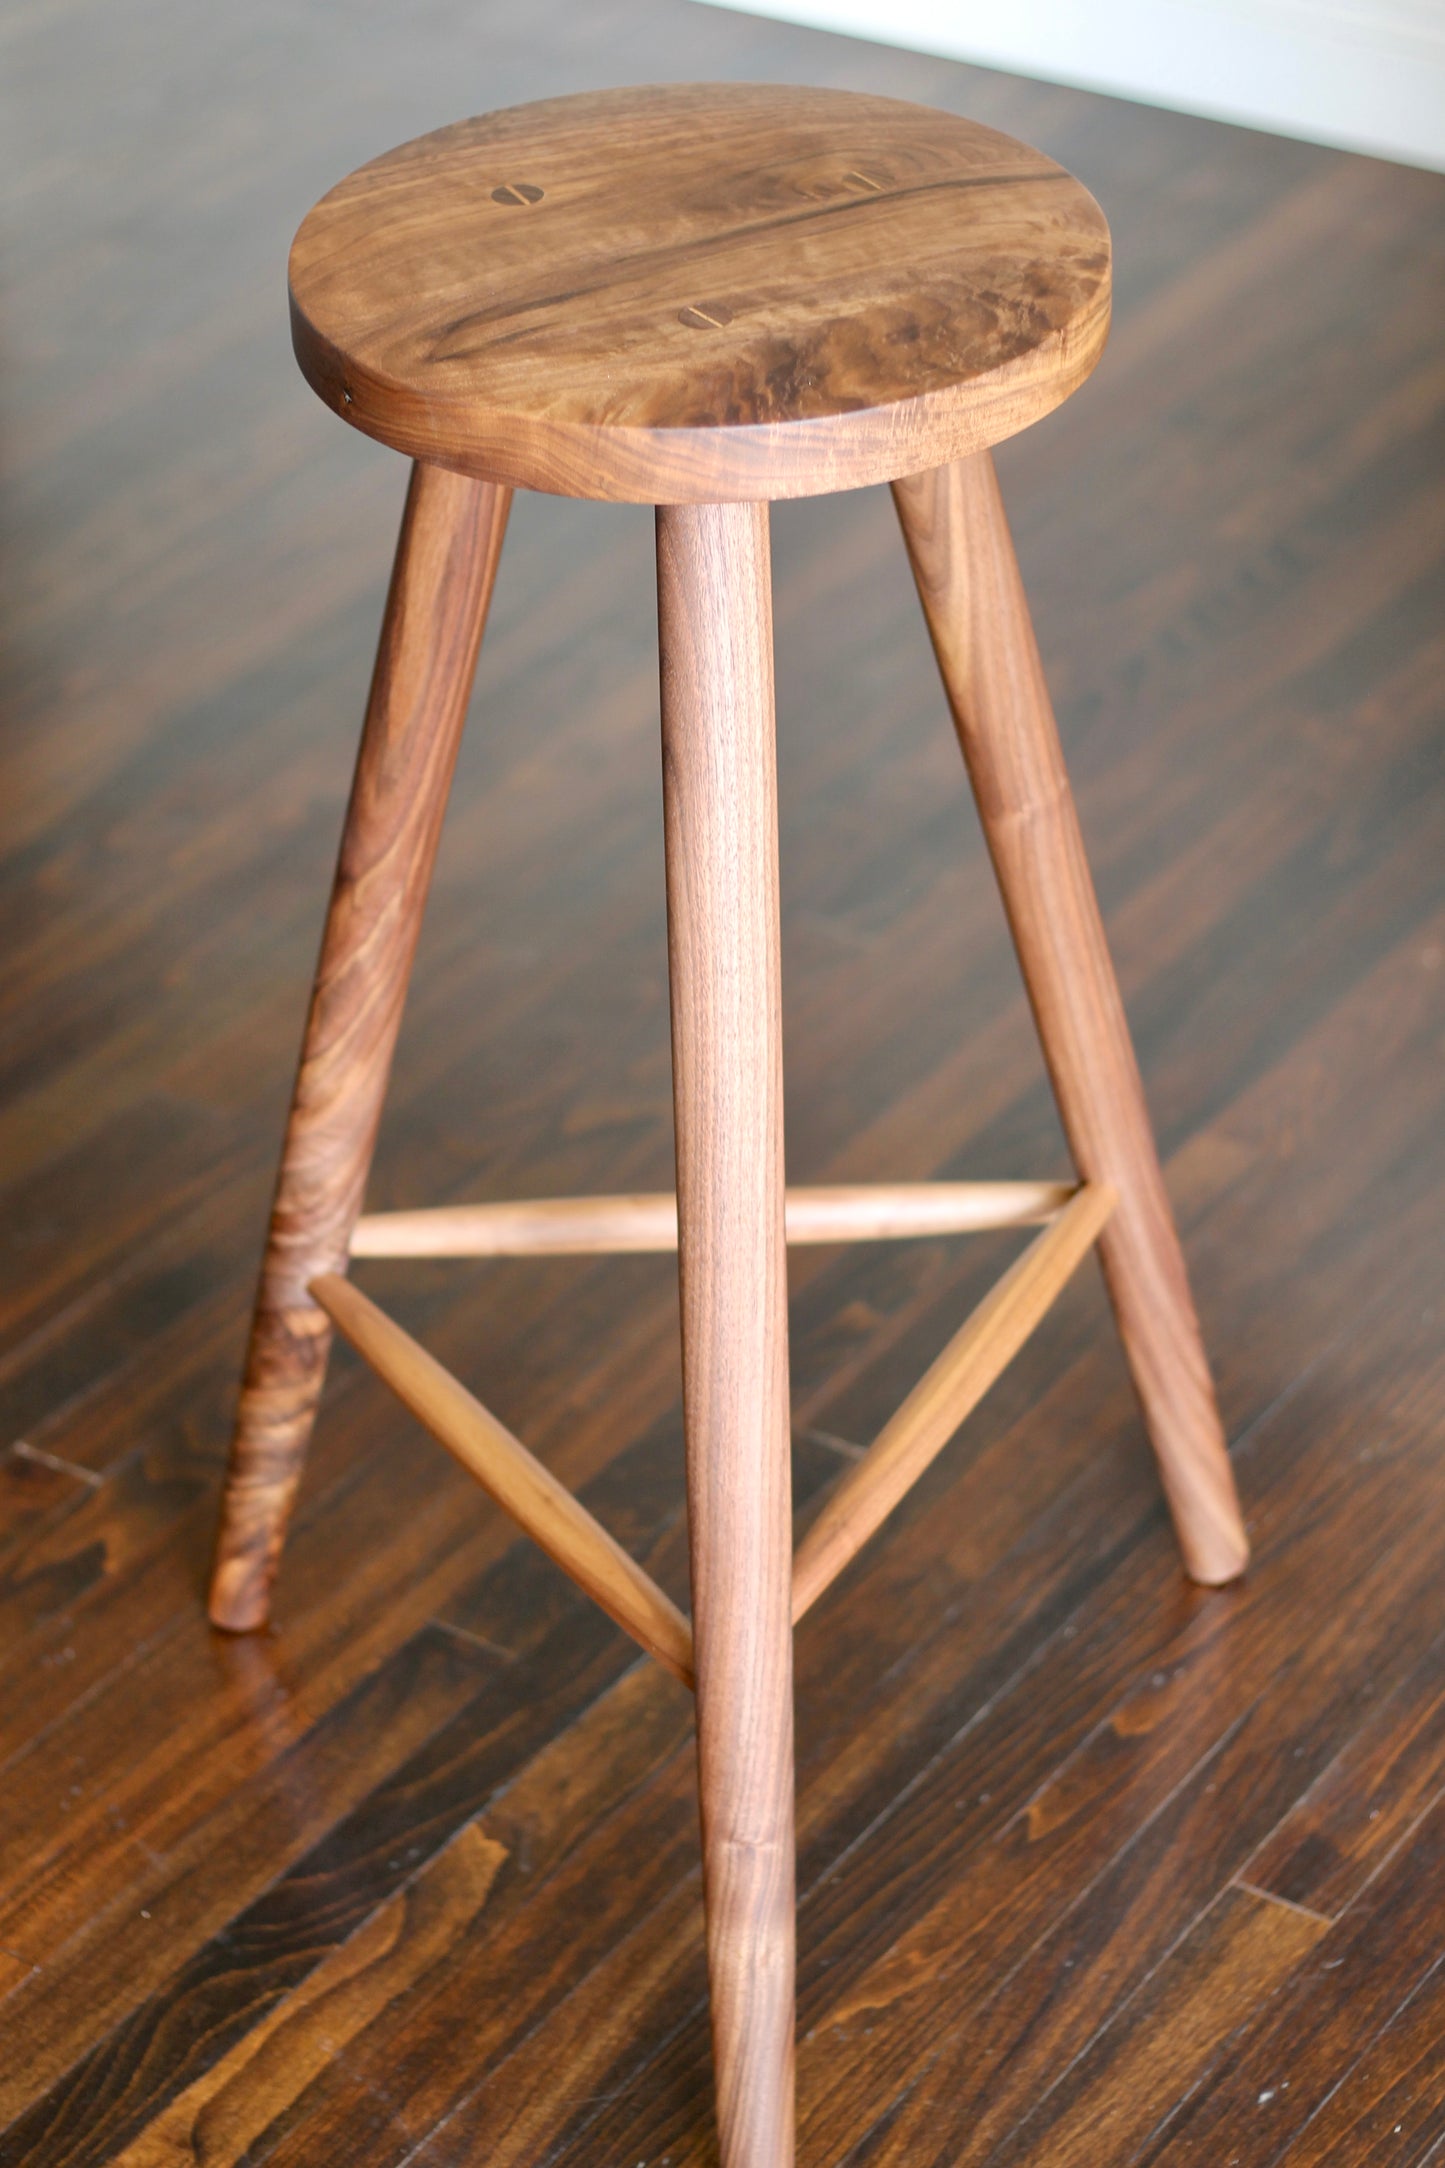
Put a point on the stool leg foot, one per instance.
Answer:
(446, 561)
(720, 809)
(968, 579)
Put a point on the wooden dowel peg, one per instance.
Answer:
(518, 1482)
(977, 1354)
(581, 1226)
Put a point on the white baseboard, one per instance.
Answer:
(1368, 75)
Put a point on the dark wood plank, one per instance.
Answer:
(231, 2108)
(1391, 2106)
(177, 1873)
(541, 1833)
(999, 2034)
(1358, 1979)
(1235, 1957)
(1326, 1849)
(1233, 540)
(575, 1906)
(274, 1943)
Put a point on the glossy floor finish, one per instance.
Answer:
(1095, 1868)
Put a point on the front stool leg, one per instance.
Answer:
(721, 828)
(441, 584)
(973, 598)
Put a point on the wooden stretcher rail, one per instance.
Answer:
(579, 1226)
(982, 1348)
(518, 1481)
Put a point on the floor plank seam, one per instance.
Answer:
(20, 1542)
(861, 2150)
(658, 2048)
(61, 1951)
(475, 1640)
(201, 1509)
(90, 2051)
(92, 1476)
(1150, 1523)
(892, 1332)
(949, 1747)
(1287, 1904)
(844, 1447)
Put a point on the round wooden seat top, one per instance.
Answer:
(701, 292)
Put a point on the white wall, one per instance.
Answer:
(1367, 74)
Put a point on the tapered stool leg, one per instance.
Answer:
(446, 560)
(973, 598)
(720, 811)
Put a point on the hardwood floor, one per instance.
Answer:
(1095, 1867)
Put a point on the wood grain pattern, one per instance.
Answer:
(1235, 1957)
(582, 1226)
(165, 2041)
(520, 1484)
(948, 1392)
(1389, 2109)
(446, 562)
(1287, 2063)
(699, 292)
(208, 1858)
(1007, 1834)
(242, 2097)
(968, 581)
(720, 814)
(1323, 1854)
(636, 1739)
(1110, 1926)
(1233, 545)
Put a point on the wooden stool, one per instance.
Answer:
(703, 297)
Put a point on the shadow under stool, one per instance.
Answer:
(704, 297)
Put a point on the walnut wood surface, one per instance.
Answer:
(949, 1390)
(580, 1226)
(973, 598)
(701, 291)
(545, 1508)
(720, 818)
(421, 1869)
(446, 561)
